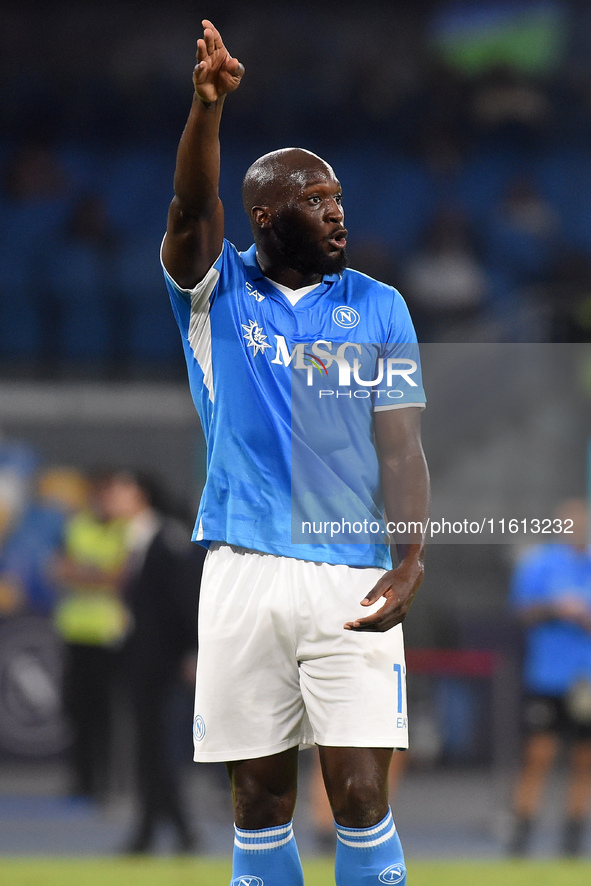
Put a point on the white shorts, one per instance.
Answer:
(275, 667)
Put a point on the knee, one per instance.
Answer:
(358, 801)
(256, 805)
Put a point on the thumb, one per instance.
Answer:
(234, 67)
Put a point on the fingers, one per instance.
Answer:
(379, 621)
(207, 47)
(390, 614)
(216, 37)
(200, 69)
(209, 39)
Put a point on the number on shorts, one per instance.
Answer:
(400, 671)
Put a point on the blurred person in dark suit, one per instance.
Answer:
(161, 587)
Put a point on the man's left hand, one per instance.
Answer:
(399, 587)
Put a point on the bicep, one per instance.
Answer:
(192, 244)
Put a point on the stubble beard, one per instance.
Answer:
(303, 254)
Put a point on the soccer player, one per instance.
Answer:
(300, 639)
(551, 594)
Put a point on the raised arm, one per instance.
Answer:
(195, 228)
(406, 492)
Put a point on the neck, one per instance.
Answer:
(280, 273)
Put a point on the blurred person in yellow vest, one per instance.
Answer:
(93, 621)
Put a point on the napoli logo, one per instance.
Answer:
(247, 881)
(199, 728)
(345, 317)
(394, 874)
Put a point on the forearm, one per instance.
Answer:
(405, 489)
(195, 228)
(557, 610)
(197, 172)
(537, 614)
(406, 493)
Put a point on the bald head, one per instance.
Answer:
(276, 175)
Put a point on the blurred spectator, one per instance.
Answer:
(522, 239)
(34, 202)
(13, 498)
(93, 622)
(552, 597)
(79, 273)
(523, 233)
(32, 537)
(567, 297)
(505, 101)
(34, 176)
(456, 97)
(161, 585)
(445, 281)
(18, 463)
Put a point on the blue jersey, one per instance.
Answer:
(558, 653)
(286, 395)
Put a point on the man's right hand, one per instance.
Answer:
(216, 72)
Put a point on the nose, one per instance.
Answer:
(335, 211)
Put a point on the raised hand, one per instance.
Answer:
(216, 72)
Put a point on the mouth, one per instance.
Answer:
(338, 239)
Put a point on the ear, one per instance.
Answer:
(261, 216)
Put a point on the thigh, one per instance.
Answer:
(248, 701)
(353, 683)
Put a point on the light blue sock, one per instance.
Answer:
(370, 856)
(268, 857)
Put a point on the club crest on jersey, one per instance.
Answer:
(254, 292)
(345, 317)
(255, 337)
(247, 881)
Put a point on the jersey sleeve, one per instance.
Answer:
(199, 296)
(192, 307)
(402, 363)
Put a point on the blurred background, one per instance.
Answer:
(460, 132)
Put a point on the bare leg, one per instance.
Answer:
(579, 790)
(321, 811)
(368, 846)
(356, 781)
(578, 799)
(264, 790)
(539, 754)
